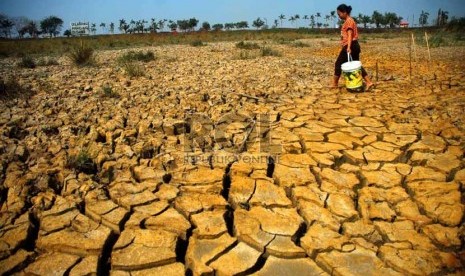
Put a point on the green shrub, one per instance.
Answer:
(107, 91)
(437, 40)
(197, 43)
(269, 52)
(137, 56)
(82, 163)
(133, 69)
(27, 62)
(82, 56)
(247, 45)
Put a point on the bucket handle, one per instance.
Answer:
(349, 57)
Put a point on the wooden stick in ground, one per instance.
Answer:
(427, 45)
(410, 57)
(377, 70)
(414, 47)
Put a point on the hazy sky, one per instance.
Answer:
(214, 11)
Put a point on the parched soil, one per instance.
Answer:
(213, 164)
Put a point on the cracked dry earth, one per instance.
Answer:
(300, 180)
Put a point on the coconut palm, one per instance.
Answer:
(305, 18)
(423, 20)
(312, 21)
(276, 23)
(281, 18)
(153, 25)
(333, 17)
(292, 19)
(161, 24)
(297, 18)
(443, 16)
(327, 18)
(103, 25)
(318, 15)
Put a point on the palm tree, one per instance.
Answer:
(292, 19)
(276, 23)
(443, 16)
(423, 18)
(112, 27)
(318, 15)
(327, 18)
(364, 19)
(282, 17)
(333, 17)
(377, 18)
(297, 17)
(161, 24)
(312, 21)
(306, 18)
(172, 25)
(153, 25)
(123, 26)
(103, 25)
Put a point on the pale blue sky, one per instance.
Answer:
(214, 11)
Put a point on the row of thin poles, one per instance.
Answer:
(414, 51)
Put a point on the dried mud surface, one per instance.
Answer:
(210, 164)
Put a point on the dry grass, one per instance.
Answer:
(62, 45)
(82, 55)
(10, 88)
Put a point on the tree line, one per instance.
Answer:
(51, 26)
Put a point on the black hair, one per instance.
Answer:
(344, 8)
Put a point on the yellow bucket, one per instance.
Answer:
(352, 71)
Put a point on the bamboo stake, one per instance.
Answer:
(414, 47)
(410, 57)
(427, 45)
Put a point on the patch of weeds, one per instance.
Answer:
(11, 88)
(137, 56)
(108, 92)
(269, 52)
(27, 62)
(284, 40)
(247, 45)
(300, 44)
(47, 62)
(459, 37)
(82, 162)
(386, 36)
(82, 56)
(50, 130)
(245, 55)
(133, 69)
(436, 41)
(197, 43)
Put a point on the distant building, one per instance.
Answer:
(404, 24)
